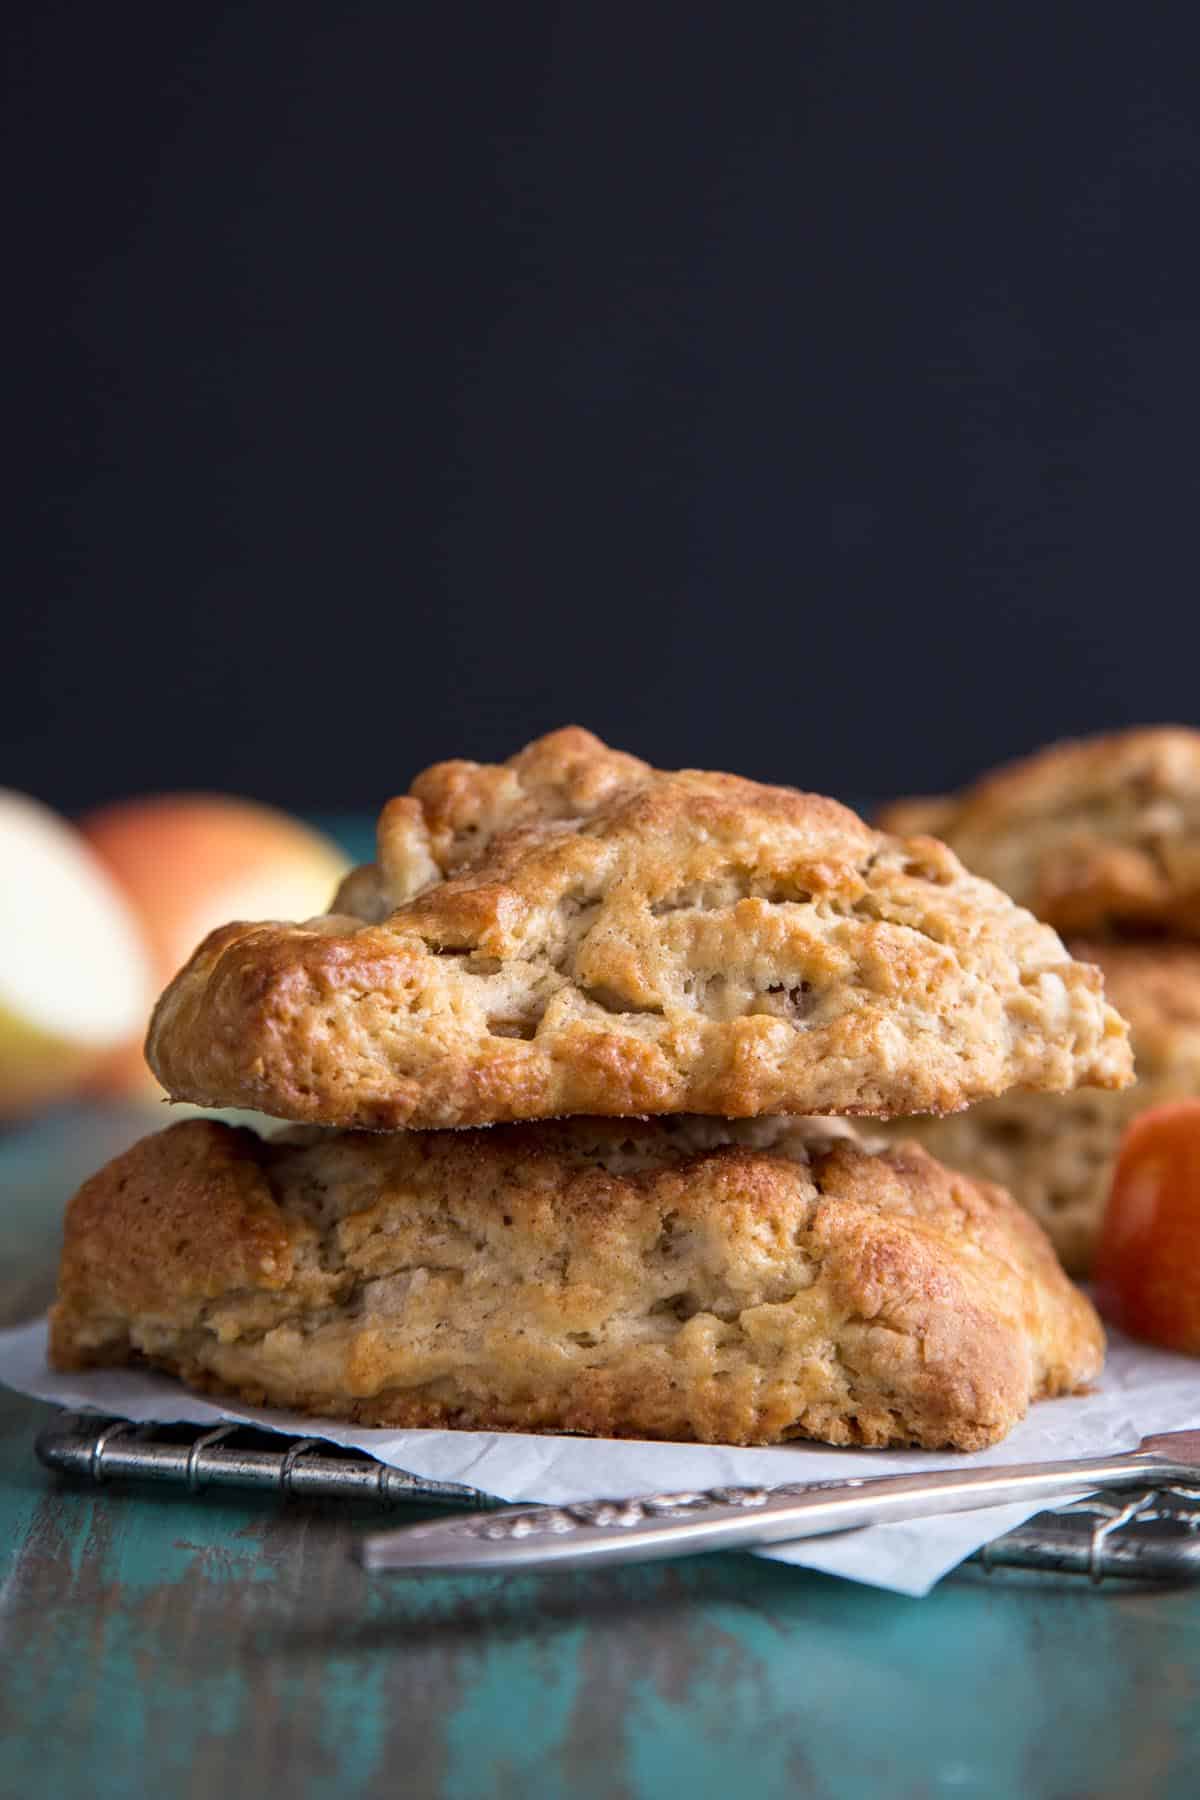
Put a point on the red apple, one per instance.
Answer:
(191, 862)
(75, 973)
(1147, 1266)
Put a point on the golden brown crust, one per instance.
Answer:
(1055, 1155)
(1094, 836)
(177, 1221)
(575, 932)
(685, 1279)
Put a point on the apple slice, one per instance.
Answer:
(190, 862)
(75, 976)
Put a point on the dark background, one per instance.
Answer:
(810, 390)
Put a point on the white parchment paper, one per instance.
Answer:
(1142, 1391)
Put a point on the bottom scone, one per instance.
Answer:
(681, 1278)
(1055, 1153)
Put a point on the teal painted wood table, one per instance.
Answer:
(228, 1645)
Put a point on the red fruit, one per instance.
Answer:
(1147, 1266)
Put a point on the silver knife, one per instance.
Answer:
(660, 1525)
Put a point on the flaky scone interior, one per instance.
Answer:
(574, 932)
(684, 1278)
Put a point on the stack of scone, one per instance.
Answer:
(1101, 839)
(555, 1057)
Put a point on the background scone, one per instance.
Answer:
(575, 932)
(920, 815)
(1055, 1154)
(682, 1279)
(1096, 836)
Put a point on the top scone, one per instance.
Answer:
(575, 932)
(1097, 836)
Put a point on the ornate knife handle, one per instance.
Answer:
(559, 1521)
(649, 1526)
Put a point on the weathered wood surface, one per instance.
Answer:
(226, 1646)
